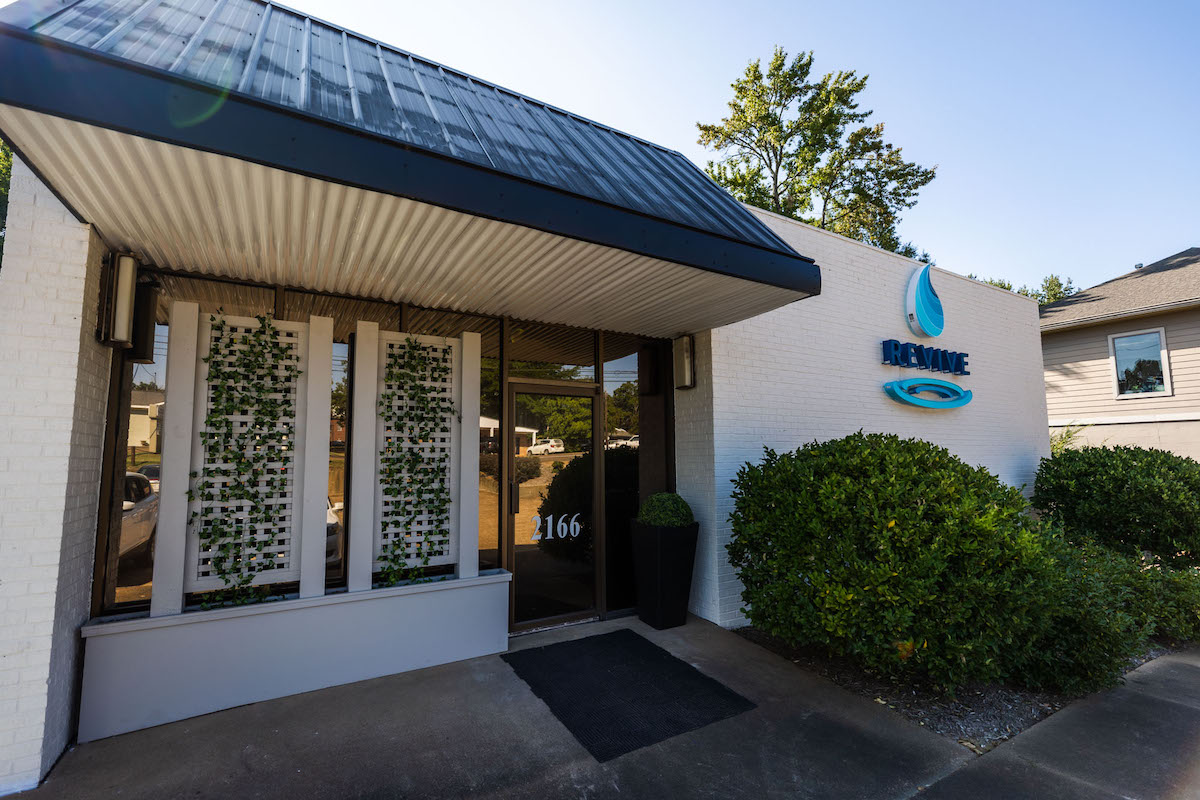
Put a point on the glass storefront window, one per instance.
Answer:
(339, 451)
(451, 324)
(132, 555)
(542, 431)
(489, 463)
(553, 536)
(622, 457)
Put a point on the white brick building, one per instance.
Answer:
(319, 245)
(811, 371)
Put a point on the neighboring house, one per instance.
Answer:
(1123, 358)
(489, 432)
(145, 420)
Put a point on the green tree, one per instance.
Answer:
(623, 407)
(147, 386)
(796, 146)
(338, 399)
(5, 178)
(1000, 282)
(1052, 289)
(557, 417)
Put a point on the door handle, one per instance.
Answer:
(514, 497)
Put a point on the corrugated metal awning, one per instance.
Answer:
(198, 212)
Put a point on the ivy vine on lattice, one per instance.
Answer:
(416, 408)
(242, 492)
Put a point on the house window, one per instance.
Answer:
(1140, 363)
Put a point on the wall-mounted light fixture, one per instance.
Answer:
(683, 350)
(117, 304)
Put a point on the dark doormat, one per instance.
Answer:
(617, 692)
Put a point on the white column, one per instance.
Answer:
(468, 442)
(360, 509)
(314, 496)
(170, 547)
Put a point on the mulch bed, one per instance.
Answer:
(978, 717)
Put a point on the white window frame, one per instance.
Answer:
(1168, 386)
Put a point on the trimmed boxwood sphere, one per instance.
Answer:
(1129, 498)
(666, 510)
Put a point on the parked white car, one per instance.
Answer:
(139, 516)
(631, 441)
(545, 447)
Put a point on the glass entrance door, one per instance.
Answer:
(552, 485)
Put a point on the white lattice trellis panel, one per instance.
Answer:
(281, 538)
(422, 529)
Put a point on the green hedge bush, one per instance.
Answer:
(893, 552)
(899, 555)
(1091, 620)
(1129, 498)
(1168, 599)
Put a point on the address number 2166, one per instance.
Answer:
(564, 528)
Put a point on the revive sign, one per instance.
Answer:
(925, 318)
(918, 356)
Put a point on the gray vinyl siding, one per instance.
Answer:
(1079, 377)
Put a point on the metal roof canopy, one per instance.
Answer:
(69, 82)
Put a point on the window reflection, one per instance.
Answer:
(622, 455)
(452, 324)
(550, 352)
(335, 514)
(553, 538)
(489, 463)
(137, 490)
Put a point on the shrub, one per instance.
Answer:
(526, 467)
(666, 509)
(892, 552)
(1091, 619)
(1129, 498)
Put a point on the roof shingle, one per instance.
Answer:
(1172, 281)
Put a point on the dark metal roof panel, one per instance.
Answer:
(282, 56)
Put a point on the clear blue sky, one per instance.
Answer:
(1066, 135)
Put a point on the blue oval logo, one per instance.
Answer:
(925, 316)
(948, 394)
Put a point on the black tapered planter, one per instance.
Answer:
(662, 566)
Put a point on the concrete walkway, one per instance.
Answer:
(1141, 740)
(473, 729)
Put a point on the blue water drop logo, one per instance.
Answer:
(925, 316)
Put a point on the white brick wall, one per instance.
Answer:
(52, 413)
(811, 371)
